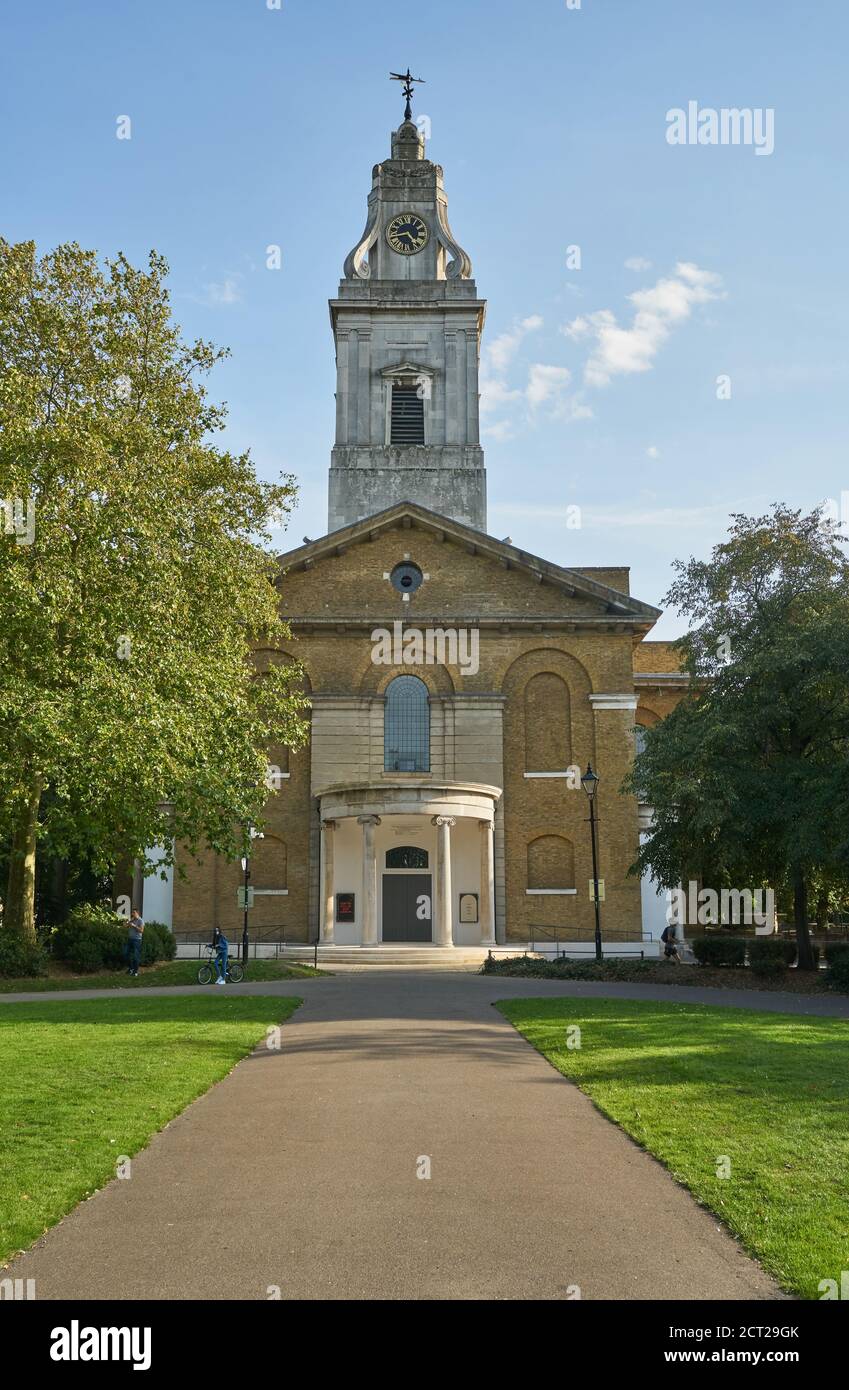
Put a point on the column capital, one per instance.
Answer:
(486, 825)
(368, 820)
(328, 825)
(443, 820)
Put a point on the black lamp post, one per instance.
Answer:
(246, 866)
(590, 782)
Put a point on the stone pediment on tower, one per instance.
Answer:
(402, 369)
(346, 578)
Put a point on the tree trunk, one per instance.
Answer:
(823, 904)
(19, 912)
(805, 956)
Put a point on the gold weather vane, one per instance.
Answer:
(408, 80)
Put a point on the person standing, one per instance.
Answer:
(221, 946)
(135, 934)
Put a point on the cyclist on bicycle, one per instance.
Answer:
(221, 946)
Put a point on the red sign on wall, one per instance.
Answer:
(345, 903)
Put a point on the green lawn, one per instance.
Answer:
(172, 972)
(84, 1083)
(693, 1083)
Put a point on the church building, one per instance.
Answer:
(459, 685)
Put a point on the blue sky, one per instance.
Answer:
(254, 126)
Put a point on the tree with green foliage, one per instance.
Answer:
(749, 775)
(136, 579)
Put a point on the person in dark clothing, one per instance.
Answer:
(222, 947)
(135, 933)
(670, 944)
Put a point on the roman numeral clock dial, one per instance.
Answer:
(407, 234)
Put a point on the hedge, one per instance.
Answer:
(837, 975)
(771, 955)
(719, 950)
(20, 959)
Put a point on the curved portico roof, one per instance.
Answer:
(405, 796)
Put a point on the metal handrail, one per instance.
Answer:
(613, 937)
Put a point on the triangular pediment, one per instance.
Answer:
(584, 598)
(406, 369)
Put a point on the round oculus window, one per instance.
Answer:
(406, 578)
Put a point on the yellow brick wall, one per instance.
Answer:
(462, 586)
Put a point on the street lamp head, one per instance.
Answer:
(244, 861)
(589, 781)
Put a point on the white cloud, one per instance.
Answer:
(621, 351)
(653, 452)
(500, 353)
(546, 384)
(225, 291)
(500, 431)
(495, 394)
(637, 263)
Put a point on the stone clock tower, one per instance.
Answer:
(407, 324)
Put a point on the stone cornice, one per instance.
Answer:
(661, 680)
(613, 701)
(519, 622)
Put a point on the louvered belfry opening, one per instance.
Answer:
(407, 415)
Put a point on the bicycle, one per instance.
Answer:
(209, 970)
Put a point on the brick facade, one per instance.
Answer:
(555, 647)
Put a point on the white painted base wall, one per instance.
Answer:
(159, 894)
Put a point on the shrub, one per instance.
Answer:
(86, 955)
(719, 950)
(771, 955)
(834, 950)
(562, 968)
(837, 975)
(95, 938)
(158, 943)
(20, 959)
(94, 926)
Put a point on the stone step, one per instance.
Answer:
(438, 957)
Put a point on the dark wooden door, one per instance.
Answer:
(407, 907)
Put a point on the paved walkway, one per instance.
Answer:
(299, 1169)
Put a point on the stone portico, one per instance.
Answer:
(437, 838)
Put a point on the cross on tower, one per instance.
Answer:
(408, 80)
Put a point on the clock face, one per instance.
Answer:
(407, 234)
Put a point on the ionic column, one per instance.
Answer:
(328, 919)
(369, 936)
(444, 935)
(487, 893)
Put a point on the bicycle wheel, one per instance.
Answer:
(205, 974)
(236, 972)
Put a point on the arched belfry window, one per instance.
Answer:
(406, 728)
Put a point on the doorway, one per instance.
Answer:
(407, 907)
